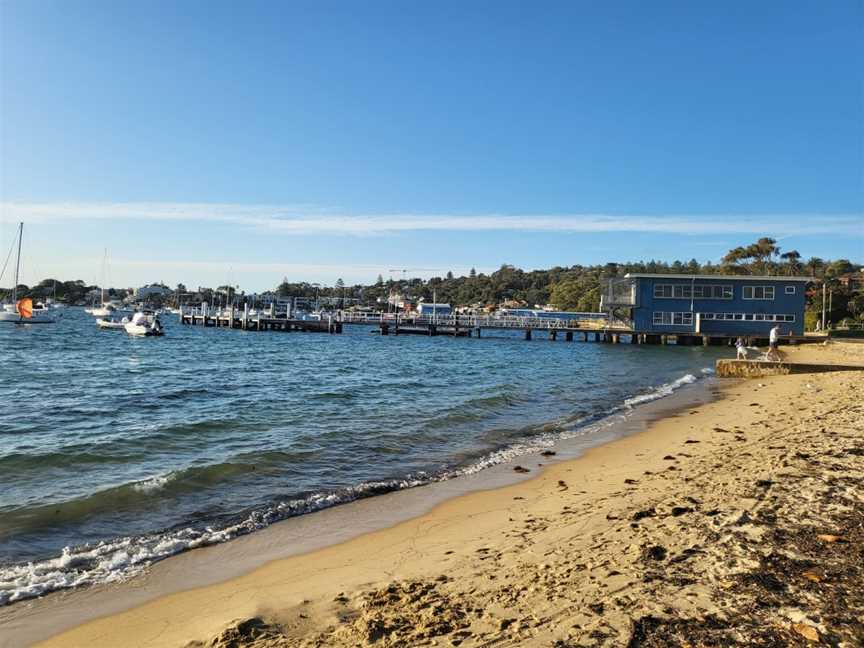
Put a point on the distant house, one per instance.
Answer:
(852, 280)
(721, 305)
(152, 290)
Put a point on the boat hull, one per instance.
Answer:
(109, 325)
(142, 330)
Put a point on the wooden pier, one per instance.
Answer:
(530, 328)
(237, 319)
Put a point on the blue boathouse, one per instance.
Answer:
(722, 306)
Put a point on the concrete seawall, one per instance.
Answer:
(756, 368)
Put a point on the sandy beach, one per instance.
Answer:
(740, 521)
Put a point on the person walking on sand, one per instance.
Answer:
(773, 339)
(740, 349)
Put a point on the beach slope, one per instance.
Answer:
(741, 521)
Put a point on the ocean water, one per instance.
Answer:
(118, 451)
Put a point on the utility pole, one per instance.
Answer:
(823, 304)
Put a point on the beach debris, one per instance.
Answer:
(681, 510)
(655, 552)
(548, 453)
(638, 515)
(246, 633)
(562, 484)
(630, 481)
(764, 483)
(812, 576)
(521, 469)
(830, 537)
(720, 429)
(807, 631)
(692, 441)
(669, 458)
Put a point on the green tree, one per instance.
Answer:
(577, 294)
(793, 260)
(856, 305)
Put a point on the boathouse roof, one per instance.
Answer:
(725, 277)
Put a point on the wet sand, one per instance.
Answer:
(737, 521)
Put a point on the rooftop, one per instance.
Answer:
(637, 275)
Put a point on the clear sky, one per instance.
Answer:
(207, 142)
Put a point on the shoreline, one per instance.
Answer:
(358, 588)
(38, 618)
(99, 546)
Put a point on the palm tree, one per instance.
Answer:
(813, 265)
(762, 251)
(736, 258)
(792, 257)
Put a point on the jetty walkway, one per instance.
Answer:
(595, 327)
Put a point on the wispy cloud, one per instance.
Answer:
(302, 220)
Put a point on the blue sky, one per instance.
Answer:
(207, 142)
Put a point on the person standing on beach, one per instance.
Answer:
(773, 339)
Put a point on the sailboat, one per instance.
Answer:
(23, 311)
(105, 308)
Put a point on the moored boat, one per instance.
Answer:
(112, 324)
(23, 311)
(144, 324)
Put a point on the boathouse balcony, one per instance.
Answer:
(618, 293)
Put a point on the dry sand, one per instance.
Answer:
(741, 522)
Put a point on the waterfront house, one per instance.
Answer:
(852, 280)
(152, 290)
(707, 305)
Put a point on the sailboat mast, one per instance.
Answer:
(18, 262)
(104, 272)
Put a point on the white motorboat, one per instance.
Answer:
(112, 324)
(144, 324)
(22, 311)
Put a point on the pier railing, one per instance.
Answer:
(600, 322)
(588, 321)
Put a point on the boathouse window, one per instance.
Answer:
(690, 291)
(790, 290)
(758, 292)
(671, 319)
(747, 317)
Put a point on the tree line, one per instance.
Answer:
(578, 287)
(574, 288)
